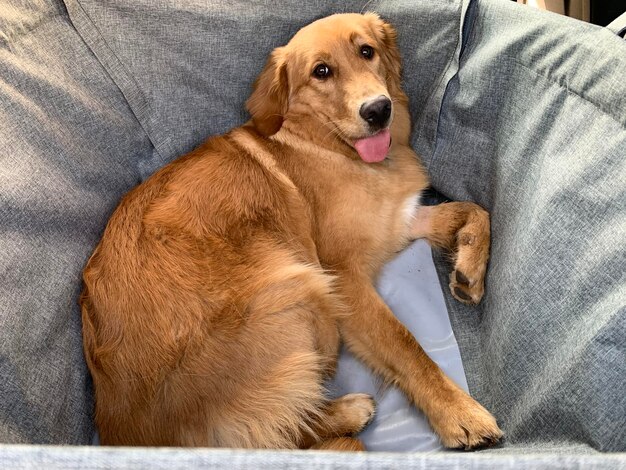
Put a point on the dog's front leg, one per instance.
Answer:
(374, 334)
(463, 228)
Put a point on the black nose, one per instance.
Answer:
(376, 112)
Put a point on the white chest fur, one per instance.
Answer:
(409, 208)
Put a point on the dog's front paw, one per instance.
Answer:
(467, 288)
(467, 281)
(466, 425)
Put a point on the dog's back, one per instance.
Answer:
(201, 309)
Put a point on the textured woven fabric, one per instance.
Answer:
(186, 68)
(67, 145)
(527, 118)
(84, 458)
(532, 127)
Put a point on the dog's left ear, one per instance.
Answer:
(268, 103)
(390, 54)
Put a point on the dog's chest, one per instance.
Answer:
(366, 213)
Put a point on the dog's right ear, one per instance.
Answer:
(268, 103)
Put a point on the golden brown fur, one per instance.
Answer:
(214, 304)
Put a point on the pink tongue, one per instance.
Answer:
(374, 149)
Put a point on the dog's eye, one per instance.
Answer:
(321, 71)
(367, 52)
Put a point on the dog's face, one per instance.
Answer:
(340, 75)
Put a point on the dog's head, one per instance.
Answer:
(338, 77)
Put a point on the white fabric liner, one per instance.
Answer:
(410, 286)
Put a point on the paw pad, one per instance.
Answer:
(462, 278)
(462, 295)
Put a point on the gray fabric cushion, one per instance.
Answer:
(533, 127)
(187, 69)
(68, 143)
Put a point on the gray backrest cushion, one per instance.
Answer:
(533, 127)
(186, 70)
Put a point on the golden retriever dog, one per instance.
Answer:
(215, 303)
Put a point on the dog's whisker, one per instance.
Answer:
(334, 131)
